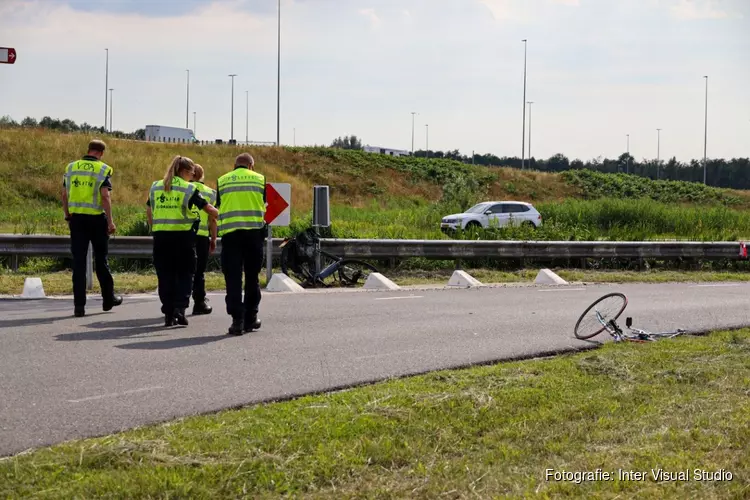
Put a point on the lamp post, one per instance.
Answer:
(427, 140)
(232, 133)
(195, 128)
(627, 163)
(278, 82)
(412, 131)
(106, 86)
(247, 115)
(705, 133)
(187, 102)
(523, 126)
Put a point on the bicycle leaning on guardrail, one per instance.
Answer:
(300, 253)
(602, 315)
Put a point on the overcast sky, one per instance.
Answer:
(597, 70)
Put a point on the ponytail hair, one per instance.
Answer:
(199, 174)
(178, 165)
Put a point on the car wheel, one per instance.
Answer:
(529, 224)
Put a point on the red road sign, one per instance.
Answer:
(276, 204)
(7, 55)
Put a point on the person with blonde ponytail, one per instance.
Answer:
(174, 223)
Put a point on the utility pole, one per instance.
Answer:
(247, 115)
(106, 87)
(187, 103)
(232, 134)
(705, 136)
(523, 126)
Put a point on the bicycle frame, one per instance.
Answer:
(638, 334)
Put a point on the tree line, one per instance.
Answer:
(68, 126)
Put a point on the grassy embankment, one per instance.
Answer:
(674, 405)
(375, 196)
(378, 196)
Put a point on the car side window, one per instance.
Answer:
(496, 209)
(515, 208)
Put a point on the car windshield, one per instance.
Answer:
(478, 209)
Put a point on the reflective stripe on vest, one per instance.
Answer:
(242, 206)
(210, 196)
(83, 182)
(169, 209)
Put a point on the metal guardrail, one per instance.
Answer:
(140, 247)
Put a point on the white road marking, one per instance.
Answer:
(115, 394)
(562, 290)
(399, 298)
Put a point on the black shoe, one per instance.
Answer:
(179, 316)
(109, 304)
(202, 308)
(169, 320)
(79, 312)
(236, 328)
(252, 324)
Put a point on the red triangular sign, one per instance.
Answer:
(276, 204)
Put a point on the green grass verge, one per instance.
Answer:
(60, 283)
(675, 405)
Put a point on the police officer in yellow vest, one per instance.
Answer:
(205, 244)
(88, 210)
(174, 224)
(241, 201)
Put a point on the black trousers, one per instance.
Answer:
(242, 250)
(84, 229)
(202, 245)
(174, 260)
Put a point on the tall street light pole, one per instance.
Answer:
(278, 82)
(247, 115)
(523, 127)
(530, 103)
(232, 134)
(705, 134)
(627, 163)
(412, 131)
(427, 140)
(195, 129)
(187, 103)
(106, 86)
(658, 151)
(110, 109)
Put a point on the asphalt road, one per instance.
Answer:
(63, 377)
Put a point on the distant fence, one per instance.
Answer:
(140, 247)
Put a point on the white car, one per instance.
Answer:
(493, 214)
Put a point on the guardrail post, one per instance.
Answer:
(269, 254)
(90, 268)
(14, 262)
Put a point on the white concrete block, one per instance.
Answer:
(377, 281)
(280, 282)
(463, 279)
(33, 289)
(547, 277)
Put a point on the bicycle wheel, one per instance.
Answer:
(292, 267)
(352, 270)
(610, 306)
